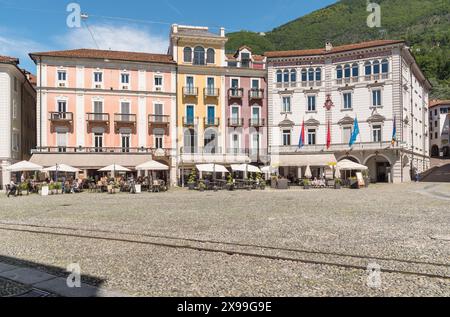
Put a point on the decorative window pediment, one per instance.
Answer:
(286, 123)
(312, 123)
(347, 120)
(376, 118)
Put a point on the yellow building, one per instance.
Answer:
(200, 55)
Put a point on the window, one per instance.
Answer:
(435, 124)
(318, 74)
(311, 103)
(348, 100)
(355, 70)
(62, 106)
(368, 68)
(187, 55)
(376, 67)
(98, 77)
(211, 115)
(376, 98)
(235, 139)
(125, 141)
(199, 56)
(279, 76)
(347, 71)
(255, 84)
(245, 60)
(304, 75)
(385, 66)
(158, 110)
(286, 137)
(14, 109)
(61, 142)
(235, 114)
(190, 114)
(158, 81)
(312, 137)
(15, 142)
(159, 141)
(339, 72)
(62, 75)
(376, 133)
(98, 142)
(286, 76)
(311, 74)
(98, 110)
(235, 83)
(16, 84)
(210, 56)
(125, 78)
(286, 104)
(346, 135)
(293, 76)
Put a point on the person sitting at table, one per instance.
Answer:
(12, 189)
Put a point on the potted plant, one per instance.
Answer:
(230, 183)
(202, 186)
(58, 188)
(337, 183)
(274, 181)
(23, 189)
(306, 184)
(192, 180)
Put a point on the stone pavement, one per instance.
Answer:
(41, 284)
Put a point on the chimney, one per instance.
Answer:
(328, 46)
(175, 28)
(222, 32)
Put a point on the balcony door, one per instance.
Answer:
(211, 115)
(235, 115)
(211, 86)
(159, 112)
(256, 115)
(62, 109)
(255, 144)
(125, 138)
(125, 111)
(190, 84)
(190, 114)
(98, 142)
(98, 110)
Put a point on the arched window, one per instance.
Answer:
(355, 70)
(190, 141)
(376, 67)
(318, 74)
(311, 74)
(304, 75)
(188, 55)
(347, 71)
(279, 76)
(199, 56)
(368, 68)
(293, 75)
(286, 76)
(385, 66)
(210, 141)
(339, 72)
(210, 56)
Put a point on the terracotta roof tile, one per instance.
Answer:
(337, 49)
(435, 103)
(9, 60)
(111, 55)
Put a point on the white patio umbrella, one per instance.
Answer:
(246, 168)
(152, 166)
(337, 172)
(308, 173)
(114, 168)
(347, 165)
(212, 168)
(63, 168)
(24, 166)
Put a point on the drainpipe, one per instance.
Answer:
(40, 101)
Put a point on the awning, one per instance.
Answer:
(320, 160)
(90, 161)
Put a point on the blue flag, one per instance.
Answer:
(355, 133)
(394, 133)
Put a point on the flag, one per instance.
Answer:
(355, 133)
(394, 133)
(329, 136)
(301, 143)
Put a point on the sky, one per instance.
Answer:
(135, 25)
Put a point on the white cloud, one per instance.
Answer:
(15, 45)
(115, 37)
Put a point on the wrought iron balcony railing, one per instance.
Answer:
(61, 116)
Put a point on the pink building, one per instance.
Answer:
(246, 113)
(96, 108)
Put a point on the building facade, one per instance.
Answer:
(323, 91)
(96, 108)
(439, 129)
(202, 95)
(17, 120)
(246, 106)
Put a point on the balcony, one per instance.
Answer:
(190, 122)
(102, 150)
(235, 122)
(98, 118)
(158, 120)
(211, 92)
(235, 93)
(257, 123)
(125, 118)
(190, 91)
(61, 117)
(211, 122)
(254, 94)
(321, 148)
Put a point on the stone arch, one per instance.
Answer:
(349, 157)
(434, 151)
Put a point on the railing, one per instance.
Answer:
(61, 116)
(256, 93)
(235, 92)
(235, 122)
(319, 148)
(104, 150)
(158, 119)
(356, 79)
(190, 121)
(98, 117)
(195, 150)
(257, 123)
(124, 118)
(190, 91)
(211, 92)
(211, 122)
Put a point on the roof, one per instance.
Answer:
(196, 31)
(111, 55)
(9, 60)
(337, 49)
(436, 103)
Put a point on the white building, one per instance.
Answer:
(376, 82)
(17, 119)
(439, 128)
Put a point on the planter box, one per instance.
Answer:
(283, 184)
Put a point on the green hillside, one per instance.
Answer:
(424, 24)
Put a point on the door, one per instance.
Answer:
(190, 114)
(159, 112)
(125, 143)
(211, 115)
(98, 142)
(235, 115)
(256, 116)
(190, 84)
(211, 86)
(255, 144)
(255, 88)
(125, 111)
(62, 109)
(98, 110)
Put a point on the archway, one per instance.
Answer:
(211, 141)
(379, 168)
(446, 151)
(435, 151)
(350, 158)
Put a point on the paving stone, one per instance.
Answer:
(6, 267)
(27, 276)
